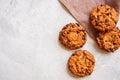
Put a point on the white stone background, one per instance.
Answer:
(29, 46)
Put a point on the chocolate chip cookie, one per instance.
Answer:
(104, 17)
(110, 40)
(81, 63)
(73, 36)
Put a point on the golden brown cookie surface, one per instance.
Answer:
(109, 41)
(81, 63)
(73, 36)
(104, 18)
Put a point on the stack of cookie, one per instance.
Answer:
(82, 62)
(104, 18)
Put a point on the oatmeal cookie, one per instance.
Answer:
(73, 36)
(81, 63)
(104, 17)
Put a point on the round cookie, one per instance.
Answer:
(104, 18)
(73, 36)
(110, 40)
(81, 63)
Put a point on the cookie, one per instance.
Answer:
(81, 63)
(110, 40)
(104, 17)
(73, 36)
